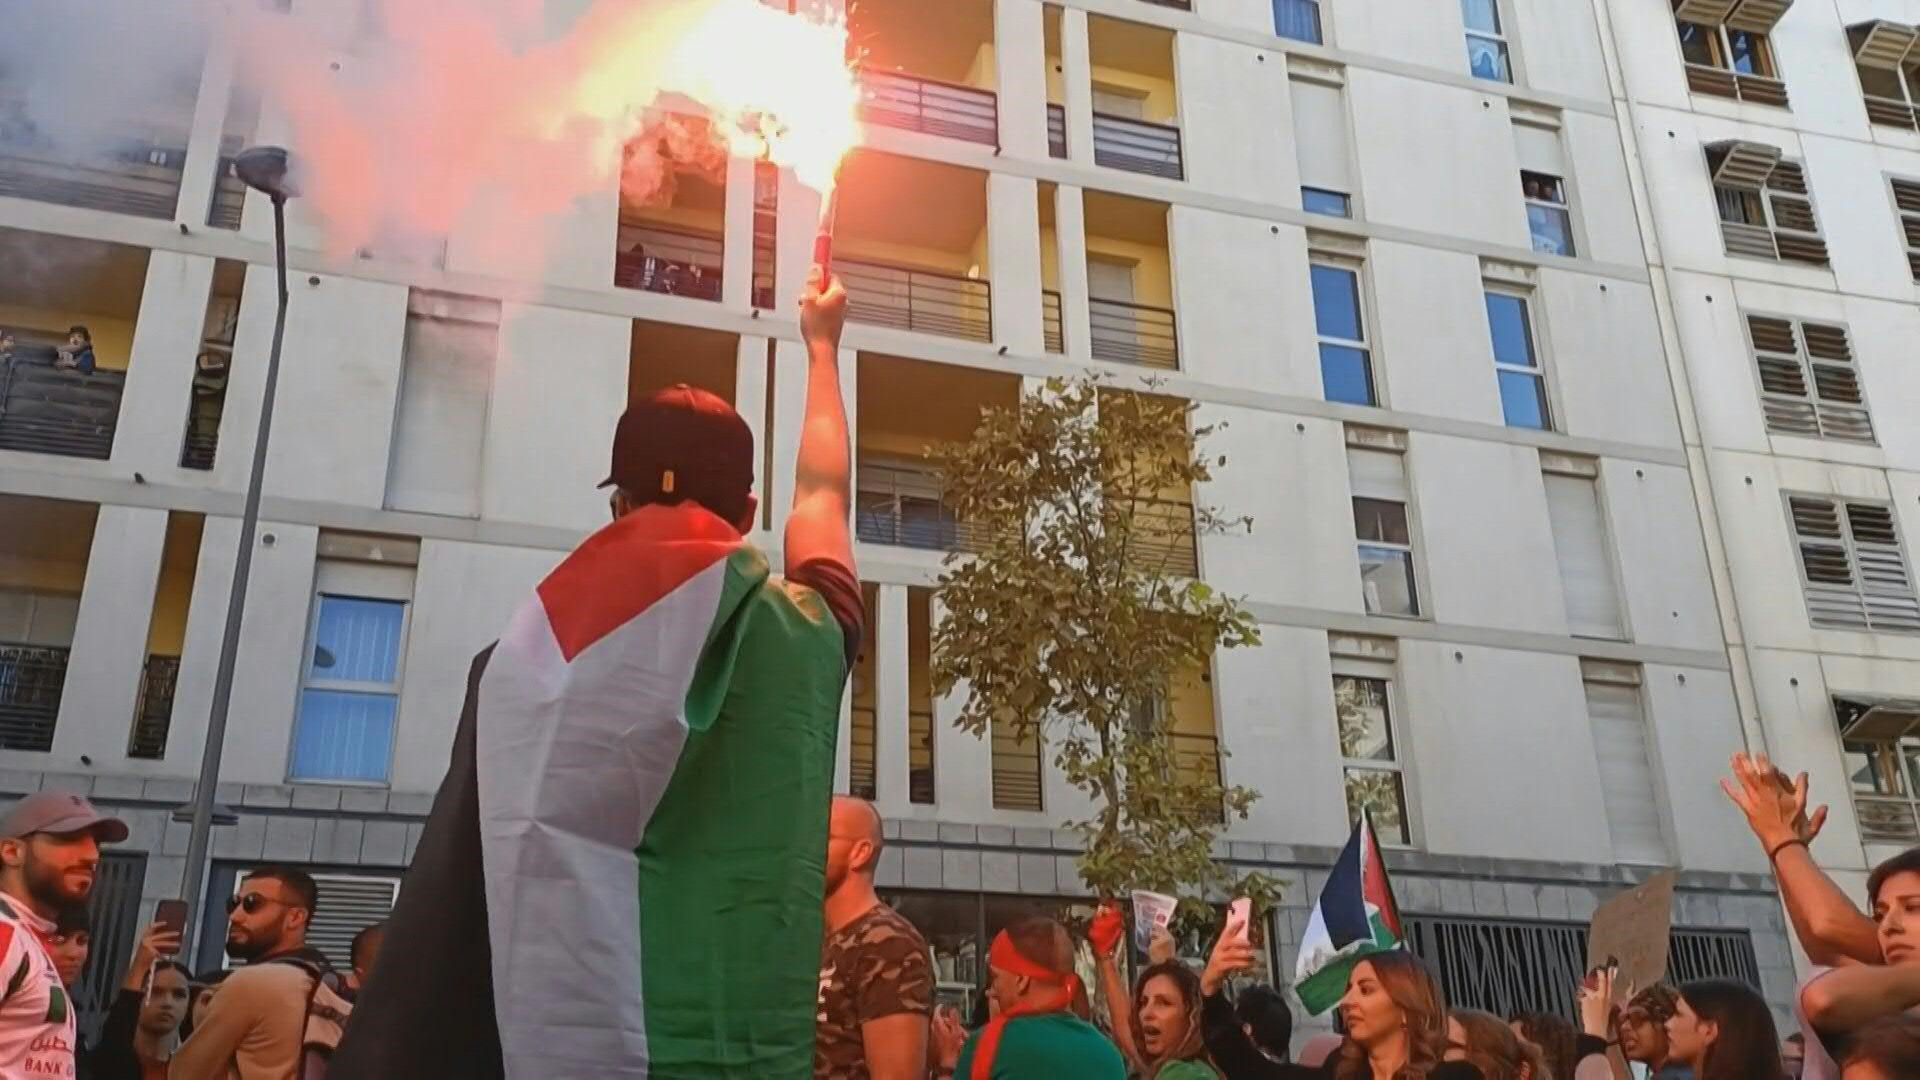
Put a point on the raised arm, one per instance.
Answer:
(823, 476)
(1847, 998)
(1831, 929)
(1105, 935)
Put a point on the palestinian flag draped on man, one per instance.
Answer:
(1354, 918)
(623, 872)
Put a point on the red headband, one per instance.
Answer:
(1003, 955)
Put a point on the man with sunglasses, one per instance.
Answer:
(255, 1026)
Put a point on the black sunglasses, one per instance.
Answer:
(252, 902)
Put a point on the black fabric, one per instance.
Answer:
(1233, 1053)
(428, 1010)
(112, 1058)
(1585, 1046)
(839, 586)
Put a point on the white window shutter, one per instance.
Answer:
(1539, 150)
(446, 382)
(1626, 774)
(1377, 474)
(1320, 136)
(1586, 570)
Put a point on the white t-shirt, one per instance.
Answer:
(36, 1015)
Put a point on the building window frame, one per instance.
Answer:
(1883, 49)
(1548, 207)
(345, 582)
(1904, 193)
(1810, 384)
(1729, 61)
(1764, 204)
(1312, 11)
(1880, 750)
(1507, 370)
(1333, 342)
(1861, 586)
(1494, 40)
(1383, 682)
(1379, 441)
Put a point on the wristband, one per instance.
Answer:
(1774, 852)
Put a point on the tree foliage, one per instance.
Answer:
(1076, 611)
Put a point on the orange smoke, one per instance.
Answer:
(462, 107)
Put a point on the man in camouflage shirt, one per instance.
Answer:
(876, 978)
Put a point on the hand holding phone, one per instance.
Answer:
(171, 914)
(1240, 919)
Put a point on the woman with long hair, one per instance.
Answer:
(1484, 1041)
(1166, 1022)
(1725, 1031)
(1396, 1021)
(143, 1023)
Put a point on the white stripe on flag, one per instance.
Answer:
(572, 760)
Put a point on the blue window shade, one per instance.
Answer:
(1321, 201)
(1512, 335)
(1523, 400)
(356, 640)
(1346, 375)
(1297, 19)
(343, 735)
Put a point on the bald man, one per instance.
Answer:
(876, 978)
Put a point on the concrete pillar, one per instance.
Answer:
(110, 634)
(247, 377)
(159, 386)
(890, 700)
(1020, 75)
(799, 223)
(200, 652)
(962, 764)
(1013, 261)
(736, 255)
(272, 657)
(750, 392)
(789, 413)
(1076, 64)
(200, 171)
(551, 419)
(1070, 232)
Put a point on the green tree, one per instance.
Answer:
(1076, 610)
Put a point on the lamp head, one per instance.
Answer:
(264, 169)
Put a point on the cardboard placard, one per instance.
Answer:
(1633, 928)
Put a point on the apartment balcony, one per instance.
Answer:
(910, 242)
(930, 106)
(153, 710)
(49, 410)
(1131, 333)
(1163, 539)
(899, 505)
(31, 678)
(138, 177)
(671, 240)
(1019, 764)
(1142, 146)
(1196, 759)
(1052, 324)
(672, 262)
(1130, 312)
(663, 354)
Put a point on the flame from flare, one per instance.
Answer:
(466, 111)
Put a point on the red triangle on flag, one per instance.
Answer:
(625, 568)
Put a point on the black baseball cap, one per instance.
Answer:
(683, 443)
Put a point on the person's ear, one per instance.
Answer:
(750, 516)
(864, 855)
(298, 917)
(619, 504)
(13, 851)
(1709, 1031)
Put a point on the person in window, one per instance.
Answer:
(137, 1040)
(1488, 1044)
(77, 353)
(623, 873)
(1723, 1030)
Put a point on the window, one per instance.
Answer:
(1016, 765)
(1765, 209)
(1889, 81)
(1383, 532)
(445, 386)
(1880, 746)
(1627, 784)
(1369, 752)
(1855, 575)
(1523, 386)
(1580, 543)
(350, 684)
(1320, 144)
(1906, 203)
(1297, 19)
(1543, 166)
(1808, 383)
(1486, 41)
(1731, 58)
(1346, 361)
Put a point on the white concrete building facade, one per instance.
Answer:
(1522, 548)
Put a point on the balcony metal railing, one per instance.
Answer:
(153, 711)
(920, 756)
(1142, 146)
(49, 410)
(142, 178)
(229, 197)
(925, 300)
(1017, 764)
(197, 448)
(862, 771)
(897, 505)
(675, 262)
(1196, 757)
(912, 103)
(1056, 131)
(1163, 538)
(1132, 333)
(31, 677)
(1052, 324)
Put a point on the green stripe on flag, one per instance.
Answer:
(1325, 987)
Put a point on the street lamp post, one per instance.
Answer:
(263, 168)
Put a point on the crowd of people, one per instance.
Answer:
(75, 355)
(635, 776)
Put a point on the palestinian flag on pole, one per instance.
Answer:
(623, 872)
(1354, 918)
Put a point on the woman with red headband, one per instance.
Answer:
(1037, 1034)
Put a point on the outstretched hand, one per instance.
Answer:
(823, 309)
(1106, 930)
(1775, 806)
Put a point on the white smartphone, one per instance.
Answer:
(1240, 918)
